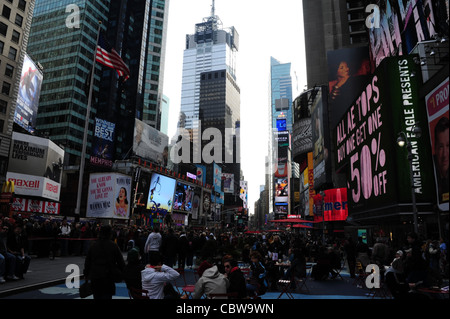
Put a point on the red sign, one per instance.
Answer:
(335, 205)
(35, 206)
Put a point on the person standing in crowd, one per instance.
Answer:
(363, 253)
(169, 248)
(64, 235)
(350, 251)
(102, 257)
(211, 281)
(156, 275)
(236, 278)
(153, 244)
(183, 249)
(133, 269)
(415, 264)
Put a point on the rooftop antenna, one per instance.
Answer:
(213, 8)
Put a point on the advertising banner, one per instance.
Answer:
(243, 192)
(348, 72)
(320, 139)
(437, 103)
(35, 206)
(28, 98)
(228, 183)
(103, 143)
(109, 196)
(150, 144)
(201, 174)
(29, 185)
(377, 169)
(217, 177)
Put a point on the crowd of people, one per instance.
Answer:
(154, 255)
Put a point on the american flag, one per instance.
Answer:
(109, 57)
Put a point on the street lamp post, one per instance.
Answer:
(403, 140)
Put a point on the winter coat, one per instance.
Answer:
(212, 281)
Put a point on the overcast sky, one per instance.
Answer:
(266, 28)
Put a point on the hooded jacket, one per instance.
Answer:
(212, 281)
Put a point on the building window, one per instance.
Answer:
(9, 70)
(6, 12)
(22, 5)
(3, 106)
(3, 29)
(2, 45)
(6, 88)
(12, 53)
(15, 36)
(19, 20)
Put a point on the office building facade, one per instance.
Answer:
(15, 23)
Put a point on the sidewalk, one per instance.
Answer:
(43, 272)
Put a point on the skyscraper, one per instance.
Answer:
(137, 31)
(210, 97)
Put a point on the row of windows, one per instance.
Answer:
(6, 13)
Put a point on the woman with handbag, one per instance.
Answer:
(104, 265)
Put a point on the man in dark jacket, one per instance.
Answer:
(103, 263)
(169, 248)
(236, 278)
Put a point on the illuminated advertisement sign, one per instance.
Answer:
(437, 103)
(377, 168)
(161, 192)
(334, 205)
(228, 183)
(183, 197)
(29, 185)
(103, 142)
(301, 127)
(28, 97)
(217, 177)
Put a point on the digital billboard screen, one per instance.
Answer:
(161, 192)
(377, 168)
(183, 197)
(28, 97)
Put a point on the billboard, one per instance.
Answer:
(377, 169)
(348, 72)
(25, 205)
(301, 127)
(217, 175)
(334, 205)
(161, 193)
(109, 196)
(281, 190)
(150, 144)
(437, 104)
(320, 139)
(28, 98)
(183, 197)
(29, 185)
(103, 143)
(243, 194)
(228, 183)
(35, 156)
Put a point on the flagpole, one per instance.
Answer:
(86, 127)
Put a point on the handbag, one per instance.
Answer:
(85, 289)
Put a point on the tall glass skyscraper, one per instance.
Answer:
(137, 31)
(209, 49)
(66, 55)
(211, 95)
